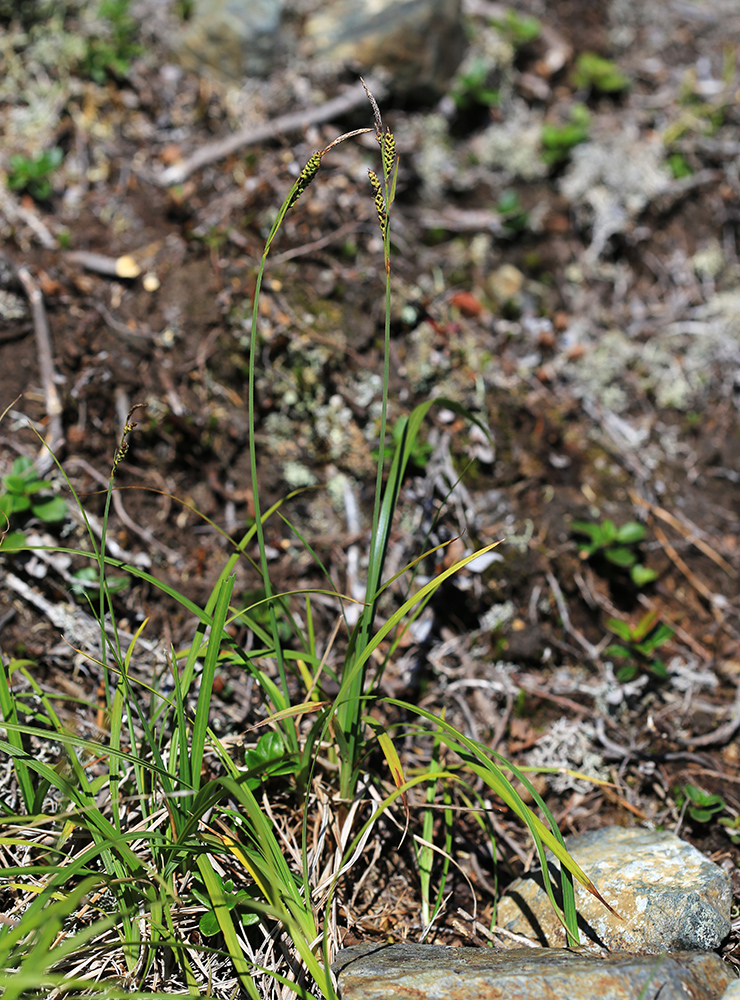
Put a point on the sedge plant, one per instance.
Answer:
(152, 810)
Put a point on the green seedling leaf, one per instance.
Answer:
(51, 510)
(617, 651)
(644, 626)
(620, 628)
(658, 669)
(14, 541)
(619, 556)
(630, 533)
(642, 575)
(593, 531)
(12, 503)
(627, 673)
(608, 531)
(15, 484)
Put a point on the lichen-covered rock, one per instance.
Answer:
(668, 895)
(428, 972)
(419, 42)
(237, 38)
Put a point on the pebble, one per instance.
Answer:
(670, 895)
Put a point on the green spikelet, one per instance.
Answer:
(379, 200)
(305, 177)
(388, 152)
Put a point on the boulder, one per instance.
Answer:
(236, 38)
(430, 972)
(668, 895)
(420, 43)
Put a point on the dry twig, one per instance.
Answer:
(55, 436)
(251, 135)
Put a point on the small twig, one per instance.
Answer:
(494, 932)
(593, 651)
(14, 211)
(723, 734)
(685, 528)
(174, 558)
(55, 436)
(118, 267)
(251, 135)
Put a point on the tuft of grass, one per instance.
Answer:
(148, 852)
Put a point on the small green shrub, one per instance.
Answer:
(678, 166)
(22, 494)
(616, 546)
(510, 208)
(472, 89)
(421, 451)
(558, 140)
(518, 29)
(109, 56)
(638, 645)
(702, 807)
(32, 175)
(593, 72)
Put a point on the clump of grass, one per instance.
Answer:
(149, 856)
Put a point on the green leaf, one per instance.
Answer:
(620, 628)
(18, 504)
(6, 505)
(627, 673)
(15, 484)
(51, 510)
(617, 651)
(644, 626)
(701, 798)
(14, 541)
(593, 531)
(620, 557)
(658, 669)
(21, 465)
(608, 531)
(33, 486)
(642, 575)
(630, 533)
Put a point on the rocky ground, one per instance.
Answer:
(565, 266)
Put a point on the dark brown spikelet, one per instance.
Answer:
(388, 152)
(122, 449)
(305, 177)
(379, 200)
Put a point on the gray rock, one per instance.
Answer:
(237, 38)
(427, 972)
(670, 896)
(419, 42)
(732, 992)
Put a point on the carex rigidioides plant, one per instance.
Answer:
(199, 826)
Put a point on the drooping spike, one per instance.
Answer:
(305, 177)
